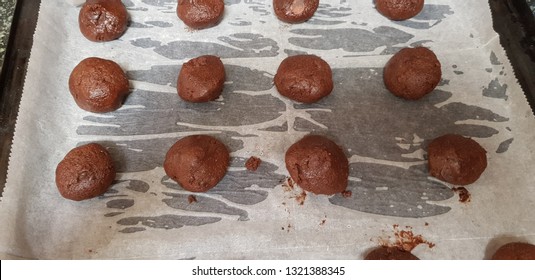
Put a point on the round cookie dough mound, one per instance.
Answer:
(456, 159)
(199, 14)
(201, 79)
(98, 85)
(399, 9)
(515, 251)
(103, 20)
(412, 73)
(318, 165)
(389, 253)
(295, 11)
(197, 162)
(304, 78)
(85, 172)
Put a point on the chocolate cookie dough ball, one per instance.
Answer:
(295, 11)
(515, 251)
(201, 79)
(456, 159)
(103, 20)
(412, 73)
(85, 172)
(199, 14)
(98, 85)
(399, 9)
(197, 162)
(304, 78)
(389, 253)
(318, 165)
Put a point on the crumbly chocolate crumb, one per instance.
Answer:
(253, 163)
(464, 195)
(192, 199)
(301, 198)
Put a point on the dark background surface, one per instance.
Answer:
(514, 20)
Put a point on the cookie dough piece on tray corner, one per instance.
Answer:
(515, 251)
(389, 253)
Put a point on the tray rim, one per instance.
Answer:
(13, 74)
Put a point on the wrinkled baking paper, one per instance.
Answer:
(257, 215)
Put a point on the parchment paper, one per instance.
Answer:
(256, 215)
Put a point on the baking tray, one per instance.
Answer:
(27, 148)
(515, 23)
(13, 74)
(512, 19)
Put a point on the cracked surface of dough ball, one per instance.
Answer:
(304, 78)
(85, 172)
(197, 162)
(98, 85)
(455, 159)
(318, 165)
(412, 73)
(399, 9)
(295, 11)
(103, 20)
(201, 79)
(200, 14)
